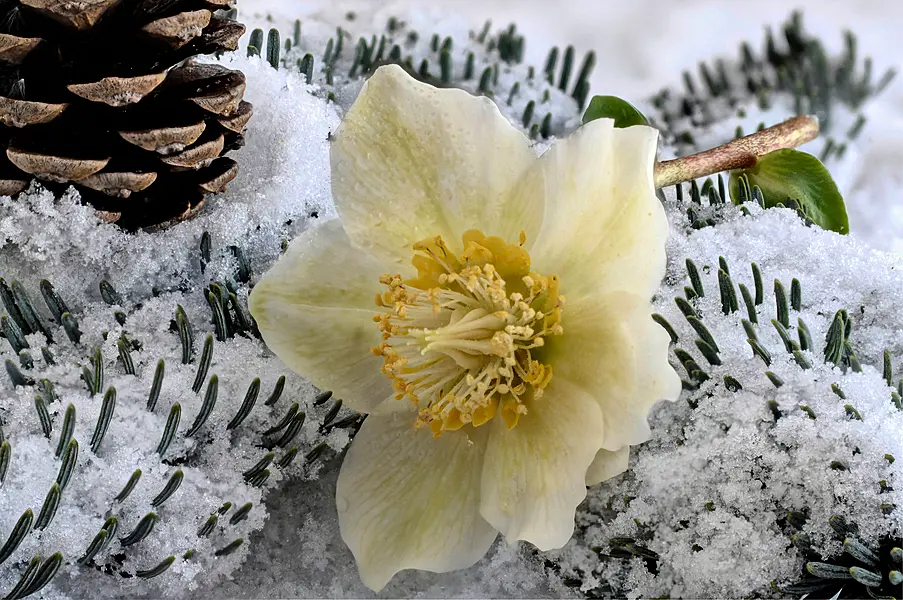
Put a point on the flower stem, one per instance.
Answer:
(741, 153)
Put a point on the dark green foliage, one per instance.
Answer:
(100, 541)
(566, 68)
(203, 364)
(255, 42)
(794, 65)
(667, 327)
(306, 67)
(141, 530)
(70, 458)
(171, 486)
(273, 48)
(66, 431)
(793, 179)
(728, 294)
(129, 486)
(247, 405)
(277, 391)
(230, 548)
(160, 568)
(780, 299)
(18, 533)
(695, 280)
(104, 418)
(292, 411)
(48, 509)
(206, 406)
(37, 575)
(861, 571)
(156, 386)
(169, 432)
(43, 415)
(241, 513)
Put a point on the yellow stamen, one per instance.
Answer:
(458, 337)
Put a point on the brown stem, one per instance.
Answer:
(741, 153)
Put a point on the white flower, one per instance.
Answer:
(512, 370)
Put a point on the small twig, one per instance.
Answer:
(741, 153)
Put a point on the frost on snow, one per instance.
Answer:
(246, 509)
(711, 492)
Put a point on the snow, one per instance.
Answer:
(712, 486)
(709, 493)
(212, 460)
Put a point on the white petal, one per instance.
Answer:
(410, 161)
(607, 464)
(604, 229)
(315, 310)
(534, 474)
(407, 500)
(612, 349)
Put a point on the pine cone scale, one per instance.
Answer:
(21, 113)
(197, 156)
(179, 29)
(80, 14)
(221, 34)
(237, 120)
(165, 140)
(119, 185)
(221, 103)
(11, 187)
(118, 91)
(213, 88)
(14, 49)
(221, 172)
(58, 169)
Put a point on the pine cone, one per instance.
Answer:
(103, 95)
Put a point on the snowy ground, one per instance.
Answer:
(696, 470)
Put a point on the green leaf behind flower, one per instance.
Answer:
(788, 174)
(624, 113)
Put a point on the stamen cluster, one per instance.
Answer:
(459, 339)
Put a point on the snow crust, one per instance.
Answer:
(709, 494)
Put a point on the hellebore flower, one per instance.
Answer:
(489, 309)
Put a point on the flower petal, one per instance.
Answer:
(607, 464)
(315, 309)
(410, 161)
(534, 474)
(612, 349)
(407, 500)
(604, 229)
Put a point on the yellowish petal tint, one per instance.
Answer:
(604, 229)
(534, 474)
(613, 350)
(315, 310)
(407, 500)
(411, 161)
(607, 464)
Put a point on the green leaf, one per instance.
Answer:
(788, 174)
(624, 113)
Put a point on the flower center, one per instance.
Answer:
(459, 338)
